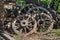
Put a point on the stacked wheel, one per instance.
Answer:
(34, 20)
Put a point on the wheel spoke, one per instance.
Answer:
(27, 27)
(28, 17)
(25, 30)
(21, 31)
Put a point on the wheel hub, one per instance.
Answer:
(24, 23)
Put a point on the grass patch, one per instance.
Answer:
(58, 32)
(17, 37)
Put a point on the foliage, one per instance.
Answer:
(21, 2)
(58, 10)
(46, 1)
(56, 5)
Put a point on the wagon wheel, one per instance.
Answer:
(44, 20)
(45, 24)
(26, 7)
(24, 25)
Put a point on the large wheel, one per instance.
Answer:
(44, 20)
(24, 24)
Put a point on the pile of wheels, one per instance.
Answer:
(28, 19)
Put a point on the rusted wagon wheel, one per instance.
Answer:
(24, 25)
(44, 20)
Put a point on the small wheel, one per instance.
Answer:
(23, 25)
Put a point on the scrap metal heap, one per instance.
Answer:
(27, 19)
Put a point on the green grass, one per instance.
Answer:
(17, 37)
(56, 31)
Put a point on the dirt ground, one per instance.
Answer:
(49, 36)
(40, 37)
